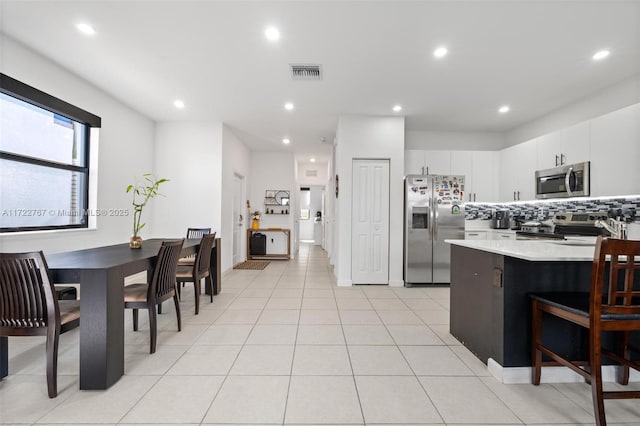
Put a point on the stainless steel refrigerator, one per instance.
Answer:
(433, 212)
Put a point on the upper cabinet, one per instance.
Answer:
(610, 142)
(567, 146)
(414, 162)
(517, 170)
(437, 162)
(424, 162)
(481, 171)
(615, 153)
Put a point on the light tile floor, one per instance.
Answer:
(286, 346)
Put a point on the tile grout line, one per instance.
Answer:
(295, 344)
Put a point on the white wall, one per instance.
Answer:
(322, 170)
(236, 159)
(454, 141)
(273, 171)
(607, 100)
(378, 138)
(126, 149)
(190, 155)
(330, 214)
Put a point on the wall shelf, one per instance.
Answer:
(276, 202)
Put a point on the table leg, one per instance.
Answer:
(215, 279)
(4, 356)
(101, 328)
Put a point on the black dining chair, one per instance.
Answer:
(611, 305)
(29, 306)
(199, 270)
(161, 287)
(193, 233)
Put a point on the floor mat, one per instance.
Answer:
(252, 264)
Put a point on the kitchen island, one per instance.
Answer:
(490, 309)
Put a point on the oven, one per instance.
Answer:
(565, 181)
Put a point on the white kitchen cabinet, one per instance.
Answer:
(484, 179)
(502, 235)
(480, 171)
(576, 143)
(518, 165)
(414, 162)
(437, 162)
(462, 164)
(476, 235)
(423, 162)
(615, 153)
(566, 146)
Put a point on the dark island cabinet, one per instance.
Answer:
(491, 310)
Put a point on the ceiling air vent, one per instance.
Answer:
(311, 173)
(306, 71)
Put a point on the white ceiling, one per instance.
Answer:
(532, 55)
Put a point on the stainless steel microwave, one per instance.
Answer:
(561, 182)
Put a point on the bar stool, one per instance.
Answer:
(613, 304)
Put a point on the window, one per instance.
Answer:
(44, 160)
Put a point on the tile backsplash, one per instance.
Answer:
(628, 206)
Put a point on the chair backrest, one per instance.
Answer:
(617, 264)
(27, 295)
(203, 258)
(163, 278)
(197, 232)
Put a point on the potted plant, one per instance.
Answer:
(142, 193)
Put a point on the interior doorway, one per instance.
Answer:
(311, 214)
(238, 219)
(370, 222)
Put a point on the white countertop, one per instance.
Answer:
(534, 250)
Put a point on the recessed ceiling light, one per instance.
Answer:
(313, 160)
(397, 108)
(86, 29)
(600, 55)
(286, 141)
(178, 104)
(504, 109)
(288, 106)
(440, 52)
(272, 34)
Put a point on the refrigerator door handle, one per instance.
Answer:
(431, 221)
(434, 226)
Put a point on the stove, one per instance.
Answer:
(573, 223)
(578, 219)
(564, 223)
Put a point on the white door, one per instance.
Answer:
(238, 218)
(370, 222)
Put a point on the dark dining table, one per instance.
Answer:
(101, 271)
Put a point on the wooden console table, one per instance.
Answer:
(285, 256)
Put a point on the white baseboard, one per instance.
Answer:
(344, 283)
(514, 375)
(396, 283)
